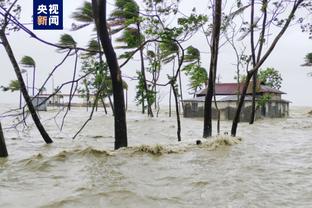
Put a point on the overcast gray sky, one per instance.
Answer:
(287, 57)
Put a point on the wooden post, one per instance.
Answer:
(3, 149)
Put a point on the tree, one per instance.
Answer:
(84, 15)
(3, 149)
(99, 13)
(67, 40)
(270, 77)
(212, 68)
(261, 59)
(14, 86)
(126, 17)
(198, 75)
(29, 62)
(4, 25)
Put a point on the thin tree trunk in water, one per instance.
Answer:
(34, 79)
(254, 93)
(171, 88)
(20, 100)
(261, 42)
(175, 93)
(74, 77)
(99, 13)
(240, 104)
(111, 104)
(126, 100)
(3, 149)
(170, 101)
(143, 103)
(253, 57)
(149, 104)
(104, 106)
(213, 69)
(27, 98)
(181, 93)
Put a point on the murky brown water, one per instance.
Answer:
(270, 167)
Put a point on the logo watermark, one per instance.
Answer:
(48, 15)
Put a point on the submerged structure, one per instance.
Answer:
(269, 102)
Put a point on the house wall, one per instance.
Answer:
(273, 109)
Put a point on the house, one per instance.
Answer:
(227, 99)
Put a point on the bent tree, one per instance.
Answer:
(4, 23)
(99, 13)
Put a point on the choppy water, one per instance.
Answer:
(270, 167)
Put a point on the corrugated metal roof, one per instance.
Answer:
(232, 89)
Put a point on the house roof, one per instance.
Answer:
(230, 98)
(232, 89)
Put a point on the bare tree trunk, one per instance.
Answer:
(27, 98)
(170, 101)
(126, 100)
(99, 12)
(254, 94)
(213, 68)
(104, 106)
(34, 79)
(20, 100)
(3, 149)
(175, 93)
(240, 104)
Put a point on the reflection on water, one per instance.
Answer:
(271, 166)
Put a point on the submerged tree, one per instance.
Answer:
(99, 13)
(3, 149)
(284, 24)
(5, 26)
(213, 67)
(29, 62)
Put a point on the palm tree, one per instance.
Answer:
(29, 62)
(67, 40)
(14, 86)
(84, 15)
(126, 18)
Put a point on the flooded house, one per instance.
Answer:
(227, 98)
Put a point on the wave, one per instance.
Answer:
(220, 141)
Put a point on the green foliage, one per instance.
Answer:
(126, 9)
(141, 94)
(13, 86)
(262, 100)
(84, 14)
(270, 77)
(131, 38)
(28, 61)
(169, 50)
(308, 59)
(198, 75)
(67, 40)
(93, 46)
(98, 78)
(192, 54)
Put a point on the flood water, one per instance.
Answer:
(270, 167)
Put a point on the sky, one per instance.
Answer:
(286, 57)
